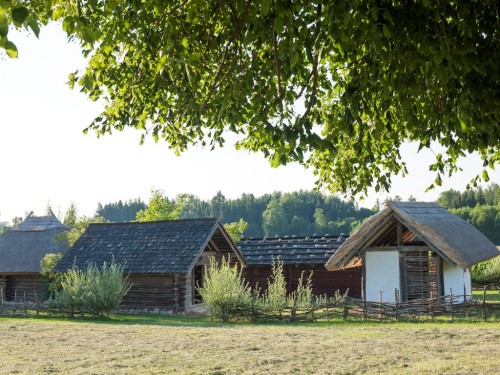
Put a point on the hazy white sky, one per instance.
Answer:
(46, 158)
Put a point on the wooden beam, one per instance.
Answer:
(399, 248)
(399, 232)
(215, 248)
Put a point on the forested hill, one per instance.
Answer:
(480, 207)
(301, 213)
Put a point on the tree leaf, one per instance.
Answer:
(19, 15)
(11, 49)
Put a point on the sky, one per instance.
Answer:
(47, 160)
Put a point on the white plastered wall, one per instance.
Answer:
(455, 279)
(382, 274)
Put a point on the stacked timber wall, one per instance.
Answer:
(21, 287)
(323, 281)
(150, 291)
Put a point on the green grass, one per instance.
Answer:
(491, 295)
(194, 345)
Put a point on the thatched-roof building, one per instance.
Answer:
(418, 248)
(21, 250)
(299, 255)
(165, 260)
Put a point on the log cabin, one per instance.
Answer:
(413, 250)
(21, 250)
(164, 260)
(299, 255)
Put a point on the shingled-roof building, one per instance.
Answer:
(419, 249)
(21, 250)
(165, 260)
(298, 255)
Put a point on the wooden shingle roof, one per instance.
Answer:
(148, 247)
(452, 238)
(315, 250)
(24, 246)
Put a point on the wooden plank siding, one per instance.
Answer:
(323, 281)
(150, 291)
(24, 286)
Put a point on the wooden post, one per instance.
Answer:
(25, 304)
(465, 303)
(396, 300)
(364, 304)
(345, 311)
(484, 303)
(1, 293)
(294, 308)
(431, 305)
(380, 312)
(326, 307)
(37, 304)
(451, 304)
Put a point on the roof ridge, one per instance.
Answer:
(156, 221)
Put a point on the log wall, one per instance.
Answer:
(22, 286)
(323, 281)
(150, 292)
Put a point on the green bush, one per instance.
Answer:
(50, 280)
(303, 294)
(275, 297)
(96, 291)
(487, 272)
(225, 291)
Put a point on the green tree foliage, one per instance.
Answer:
(487, 273)
(274, 220)
(160, 207)
(236, 230)
(120, 211)
(480, 207)
(71, 216)
(299, 208)
(94, 290)
(51, 281)
(336, 85)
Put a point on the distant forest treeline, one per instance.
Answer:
(304, 213)
(480, 207)
(301, 213)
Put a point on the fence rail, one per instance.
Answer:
(451, 307)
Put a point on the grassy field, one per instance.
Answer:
(491, 295)
(186, 345)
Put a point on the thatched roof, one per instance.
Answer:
(23, 247)
(454, 239)
(149, 247)
(314, 250)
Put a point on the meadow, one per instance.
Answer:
(193, 345)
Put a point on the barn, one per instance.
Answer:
(21, 250)
(164, 260)
(419, 249)
(298, 255)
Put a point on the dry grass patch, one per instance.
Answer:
(44, 346)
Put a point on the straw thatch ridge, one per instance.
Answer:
(148, 247)
(346, 252)
(454, 239)
(24, 246)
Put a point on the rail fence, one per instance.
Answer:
(449, 307)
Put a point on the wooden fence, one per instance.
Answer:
(450, 307)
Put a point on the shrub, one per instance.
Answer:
(51, 281)
(303, 294)
(487, 272)
(96, 291)
(225, 291)
(275, 298)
